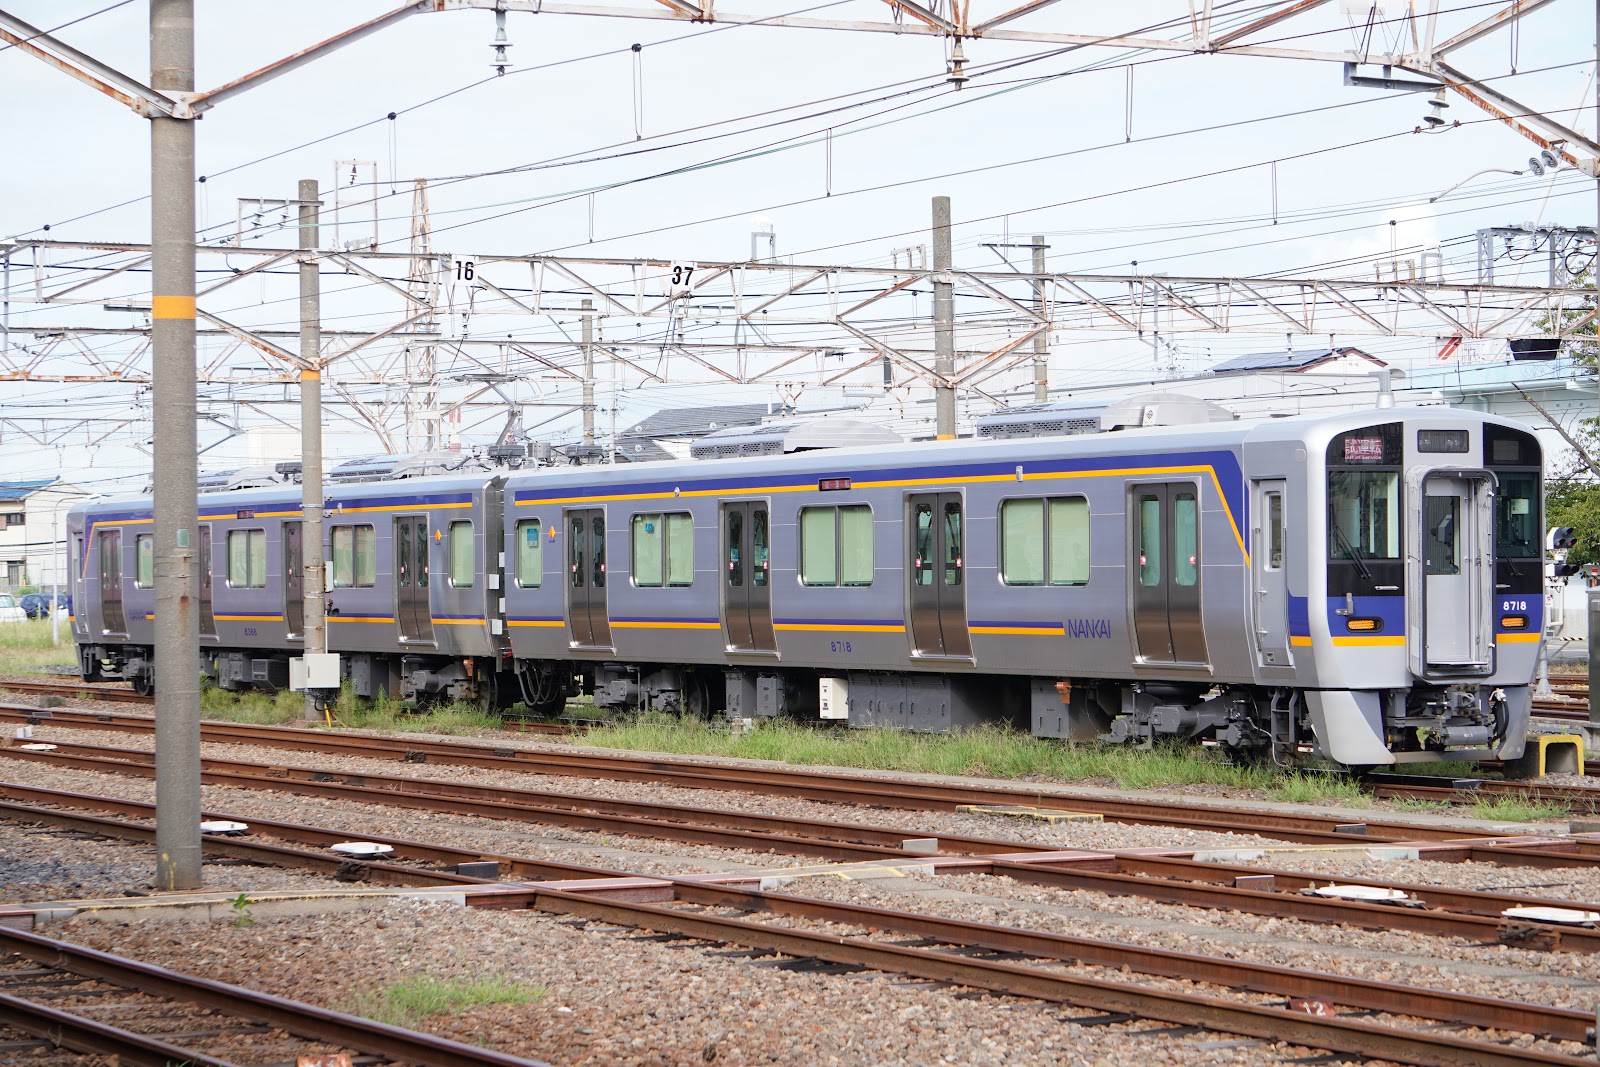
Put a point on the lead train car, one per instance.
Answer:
(1364, 587)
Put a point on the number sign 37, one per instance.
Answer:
(678, 278)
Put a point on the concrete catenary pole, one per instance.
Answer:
(588, 372)
(944, 324)
(313, 572)
(1041, 340)
(177, 636)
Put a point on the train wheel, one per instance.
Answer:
(488, 699)
(144, 684)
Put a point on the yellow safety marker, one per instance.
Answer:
(172, 307)
(1018, 811)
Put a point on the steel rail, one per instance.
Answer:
(302, 1020)
(830, 786)
(77, 689)
(1189, 1009)
(80, 1034)
(1465, 1009)
(418, 794)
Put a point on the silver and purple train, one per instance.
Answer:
(1363, 587)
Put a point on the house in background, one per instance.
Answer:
(33, 530)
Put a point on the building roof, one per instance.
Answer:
(10, 492)
(1291, 361)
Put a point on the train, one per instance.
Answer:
(1359, 588)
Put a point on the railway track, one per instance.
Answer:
(63, 996)
(984, 956)
(79, 690)
(1433, 912)
(823, 786)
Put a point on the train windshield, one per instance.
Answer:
(1516, 516)
(1363, 515)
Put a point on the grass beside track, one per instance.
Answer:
(26, 648)
(411, 1002)
(273, 709)
(988, 752)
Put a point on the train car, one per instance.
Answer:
(412, 587)
(1363, 587)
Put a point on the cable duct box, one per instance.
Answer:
(314, 670)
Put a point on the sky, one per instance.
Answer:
(1184, 164)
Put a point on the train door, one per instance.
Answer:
(112, 619)
(747, 576)
(413, 612)
(936, 554)
(79, 590)
(294, 589)
(1268, 567)
(587, 613)
(1165, 518)
(208, 620)
(1458, 564)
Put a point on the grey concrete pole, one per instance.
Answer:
(588, 373)
(1592, 602)
(944, 323)
(177, 636)
(1041, 342)
(312, 569)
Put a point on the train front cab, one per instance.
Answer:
(1432, 593)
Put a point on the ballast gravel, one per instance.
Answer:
(616, 998)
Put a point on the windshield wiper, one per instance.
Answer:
(1351, 552)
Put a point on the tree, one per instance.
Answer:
(1572, 495)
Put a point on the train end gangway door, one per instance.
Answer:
(588, 616)
(294, 586)
(1452, 521)
(413, 612)
(936, 569)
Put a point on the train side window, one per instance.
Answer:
(1069, 541)
(1274, 531)
(1363, 514)
(1442, 552)
(954, 558)
(836, 546)
(355, 557)
(366, 557)
(1186, 539)
(1149, 540)
(663, 549)
(855, 545)
(924, 528)
(1516, 516)
(576, 533)
(247, 559)
(530, 554)
(1044, 541)
(463, 557)
(1022, 542)
(735, 540)
(819, 555)
(144, 561)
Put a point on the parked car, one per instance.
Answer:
(9, 611)
(37, 605)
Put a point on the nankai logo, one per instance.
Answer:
(1089, 629)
